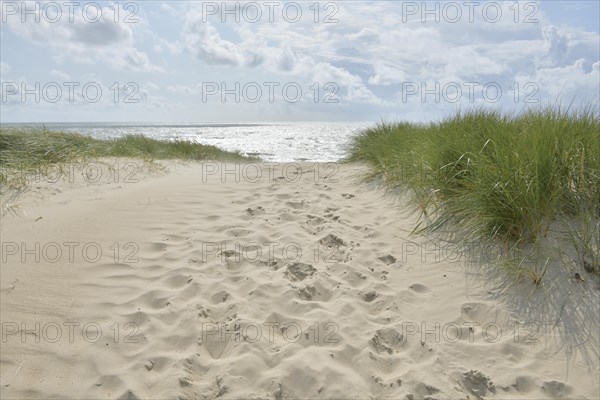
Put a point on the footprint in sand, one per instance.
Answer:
(419, 288)
(329, 213)
(219, 297)
(332, 240)
(387, 340)
(556, 390)
(334, 249)
(313, 220)
(524, 384)
(275, 264)
(354, 278)
(423, 391)
(347, 196)
(480, 312)
(255, 211)
(230, 253)
(158, 247)
(283, 196)
(287, 216)
(387, 259)
(477, 383)
(297, 205)
(202, 312)
(178, 281)
(307, 292)
(298, 271)
(314, 224)
(370, 296)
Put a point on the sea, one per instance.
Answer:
(276, 142)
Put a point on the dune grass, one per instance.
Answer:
(487, 177)
(24, 151)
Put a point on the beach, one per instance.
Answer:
(383, 200)
(253, 280)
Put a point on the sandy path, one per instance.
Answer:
(332, 307)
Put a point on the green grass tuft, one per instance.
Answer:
(24, 151)
(488, 177)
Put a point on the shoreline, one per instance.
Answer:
(243, 288)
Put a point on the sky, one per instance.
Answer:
(273, 61)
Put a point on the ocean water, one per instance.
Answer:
(278, 142)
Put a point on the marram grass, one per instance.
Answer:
(489, 177)
(25, 151)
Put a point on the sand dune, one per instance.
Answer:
(209, 281)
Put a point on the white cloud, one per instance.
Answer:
(386, 74)
(556, 44)
(273, 47)
(202, 40)
(567, 83)
(369, 54)
(372, 49)
(106, 42)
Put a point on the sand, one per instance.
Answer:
(204, 281)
